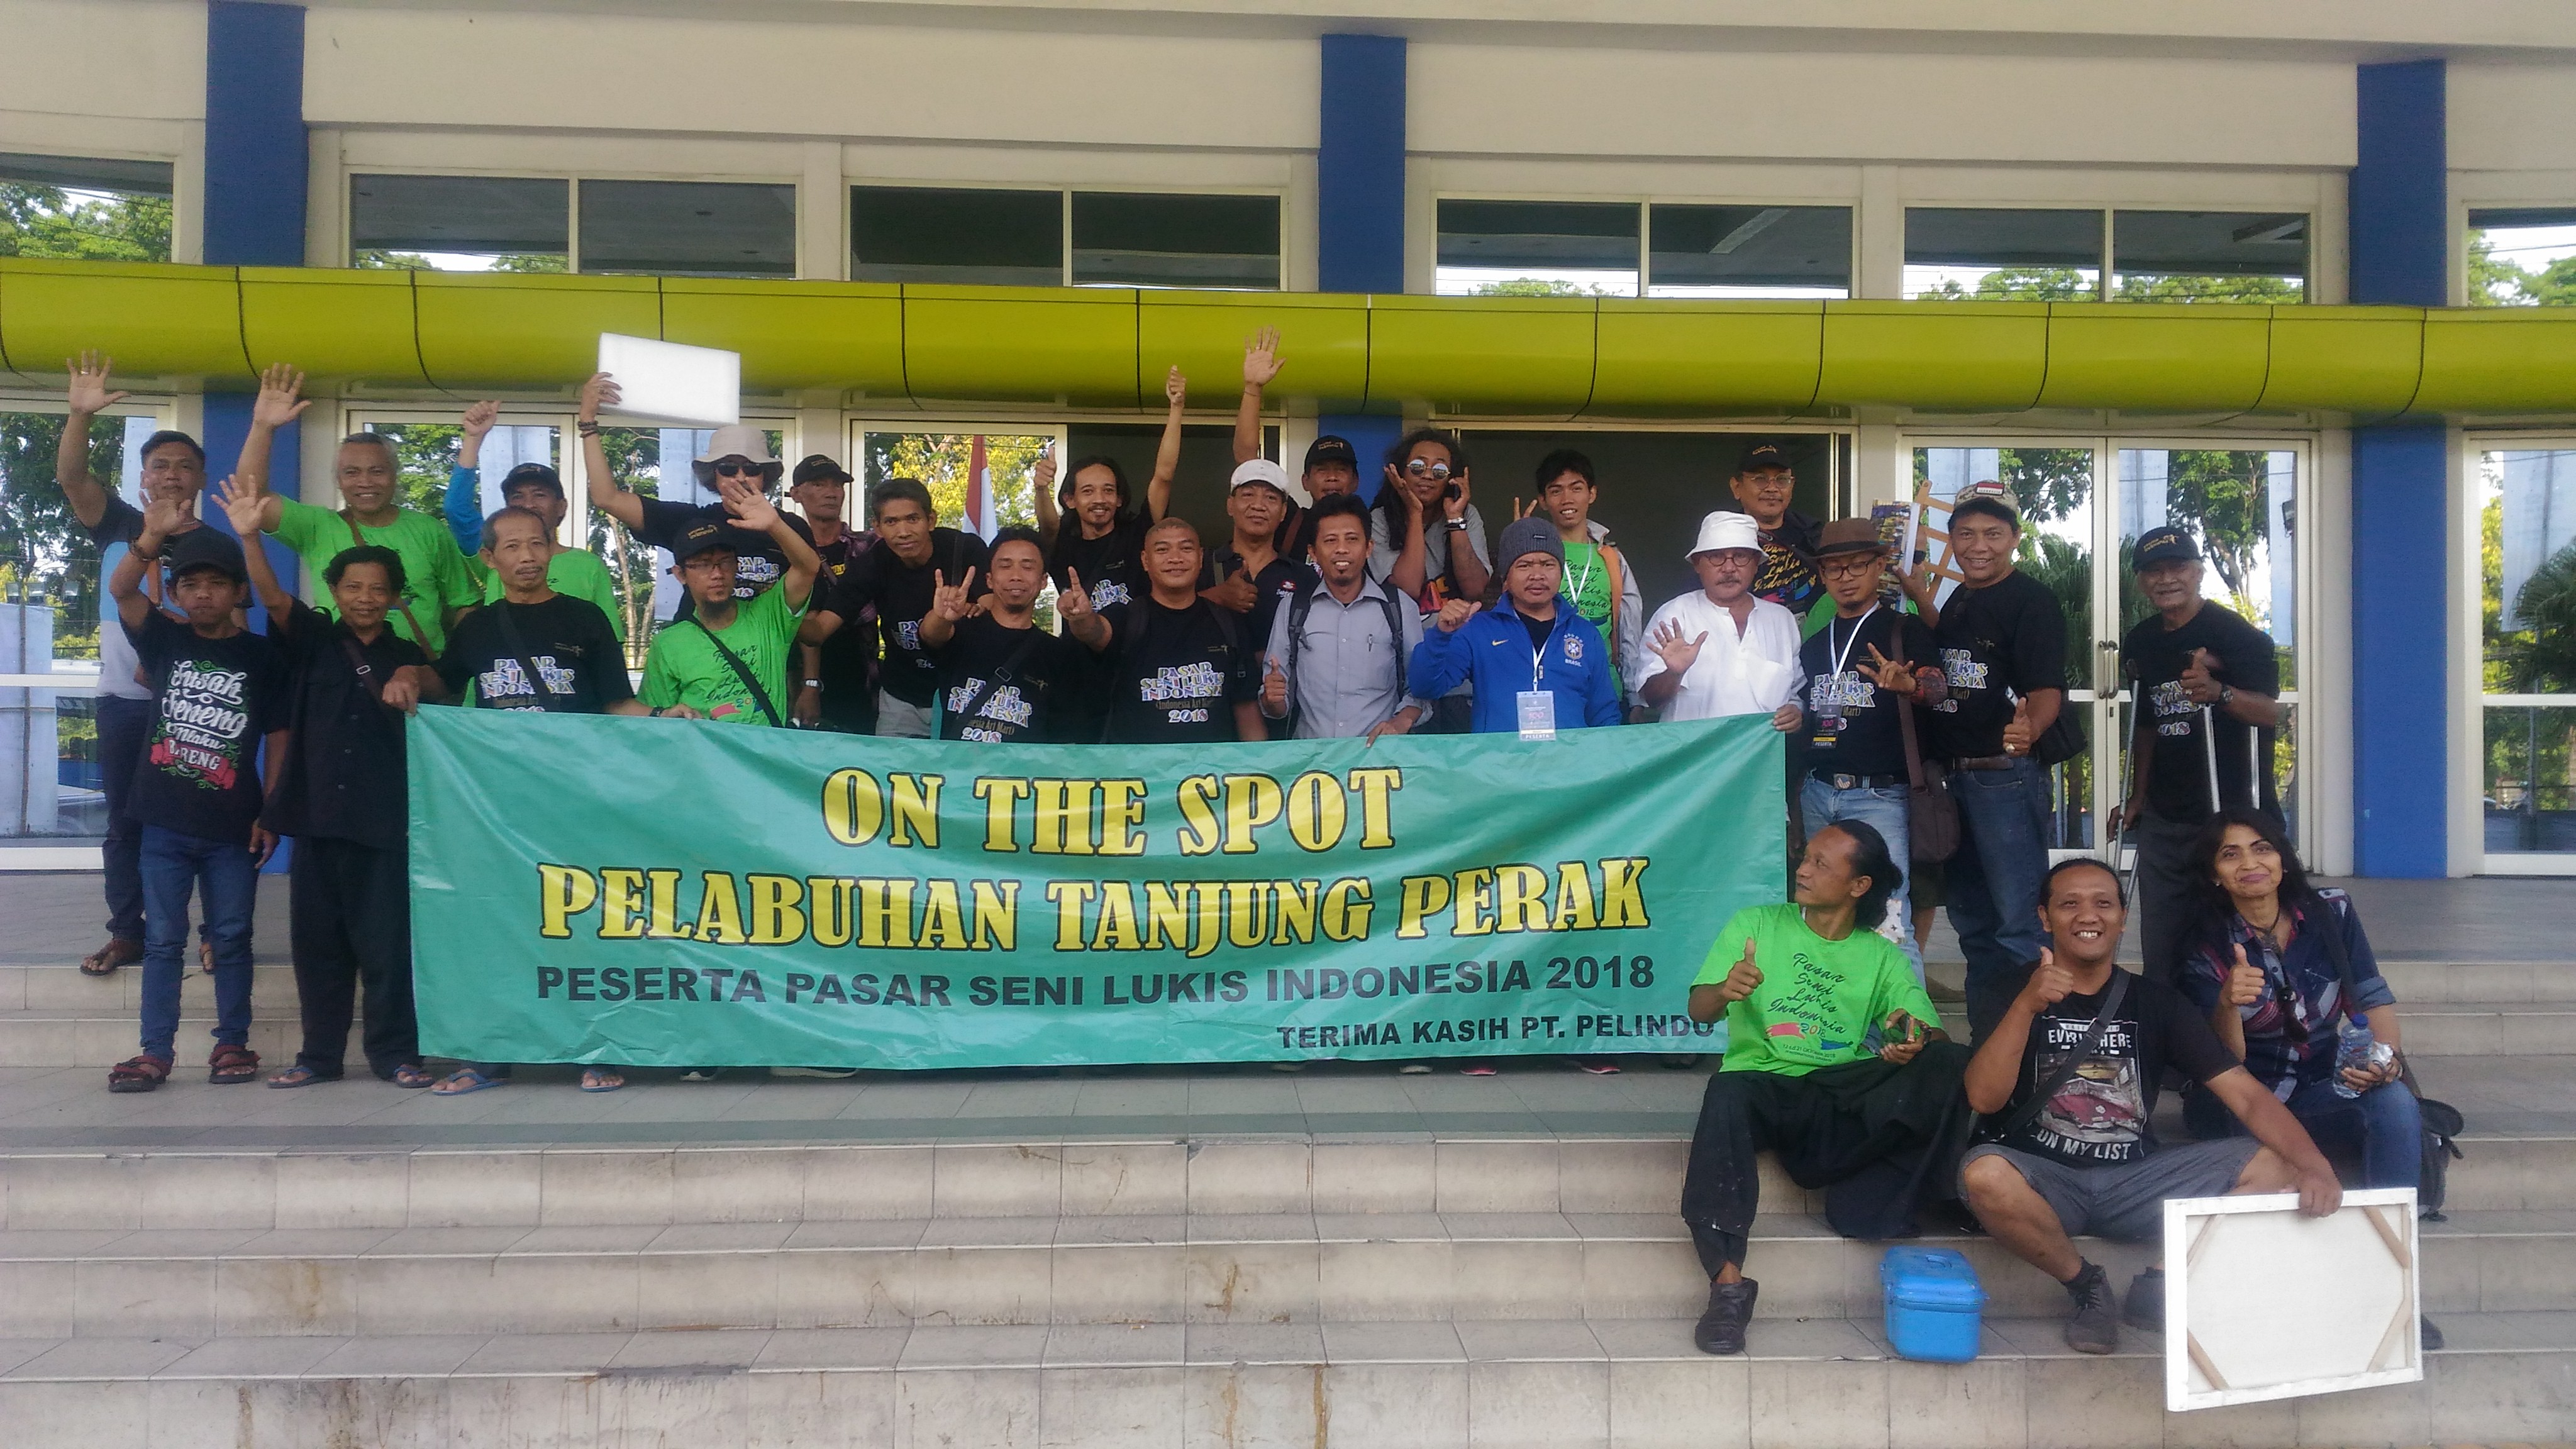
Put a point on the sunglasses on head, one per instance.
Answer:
(732, 468)
(1424, 468)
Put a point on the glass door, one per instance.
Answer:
(2527, 662)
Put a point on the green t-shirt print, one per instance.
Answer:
(1820, 1002)
(575, 573)
(1587, 583)
(684, 666)
(434, 577)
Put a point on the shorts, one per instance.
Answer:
(902, 720)
(2124, 1202)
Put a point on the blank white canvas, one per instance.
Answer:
(2277, 1305)
(670, 384)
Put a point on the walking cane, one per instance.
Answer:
(2209, 748)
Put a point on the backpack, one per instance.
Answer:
(1304, 604)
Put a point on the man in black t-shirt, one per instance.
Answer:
(1251, 575)
(738, 451)
(1002, 679)
(580, 668)
(1176, 668)
(196, 791)
(1093, 527)
(2071, 1146)
(2002, 642)
(2204, 684)
(836, 681)
(899, 579)
(1865, 665)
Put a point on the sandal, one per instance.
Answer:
(464, 1081)
(300, 1075)
(411, 1076)
(117, 952)
(138, 1074)
(205, 956)
(232, 1064)
(601, 1079)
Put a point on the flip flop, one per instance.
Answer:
(300, 1075)
(474, 1082)
(117, 952)
(601, 1079)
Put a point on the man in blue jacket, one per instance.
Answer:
(1535, 664)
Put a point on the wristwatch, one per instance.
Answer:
(813, 684)
(2226, 695)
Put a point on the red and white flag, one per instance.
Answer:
(979, 490)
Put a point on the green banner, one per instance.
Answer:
(668, 893)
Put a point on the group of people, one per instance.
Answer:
(1324, 614)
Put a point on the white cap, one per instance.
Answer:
(1727, 528)
(1263, 470)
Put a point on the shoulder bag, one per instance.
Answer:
(2021, 1116)
(742, 672)
(359, 540)
(1931, 815)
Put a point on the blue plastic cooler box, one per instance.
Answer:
(1934, 1304)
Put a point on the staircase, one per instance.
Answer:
(558, 1269)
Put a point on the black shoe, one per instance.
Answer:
(2145, 1307)
(1730, 1306)
(2095, 1328)
(2432, 1335)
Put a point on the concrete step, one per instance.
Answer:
(1262, 1268)
(1638, 1384)
(2489, 1028)
(64, 989)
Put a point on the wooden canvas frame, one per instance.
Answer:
(2289, 1305)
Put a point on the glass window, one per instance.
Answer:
(2527, 553)
(84, 208)
(688, 228)
(958, 235)
(2209, 256)
(1538, 248)
(460, 223)
(1131, 239)
(1992, 254)
(2522, 256)
(1748, 251)
(654, 462)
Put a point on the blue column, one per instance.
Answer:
(1359, 195)
(2399, 248)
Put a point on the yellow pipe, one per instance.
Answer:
(1109, 347)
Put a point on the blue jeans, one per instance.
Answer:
(1995, 881)
(175, 865)
(1884, 810)
(2384, 1125)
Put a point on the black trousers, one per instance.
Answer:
(352, 925)
(123, 726)
(1831, 1127)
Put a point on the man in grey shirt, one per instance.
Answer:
(1337, 651)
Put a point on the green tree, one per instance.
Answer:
(941, 461)
(49, 222)
(1538, 287)
(377, 259)
(2541, 658)
(2019, 284)
(2154, 287)
(2493, 282)
(45, 555)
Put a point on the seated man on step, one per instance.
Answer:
(1834, 1059)
(2068, 1078)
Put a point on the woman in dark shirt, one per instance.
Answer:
(2269, 960)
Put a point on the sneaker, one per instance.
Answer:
(2432, 1335)
(832, 1074)
(2145, 1305)
(2095, 1328)
(701, 1074)
(1730, 1307)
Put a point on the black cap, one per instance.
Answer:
(817, 465)
(1331, 449)
(537, 473)
(1764, 453)
(204, 548)
(2162, 544)
(701, 536)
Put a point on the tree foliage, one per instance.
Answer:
(941, 461)
(2070, 284)
(49, 222)
(2502, 282)
(2541, 658)
(377, 259)
(45, 555)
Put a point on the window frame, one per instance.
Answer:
(1284, 195)
(1646, 202)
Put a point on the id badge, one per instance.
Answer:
(1538, 714)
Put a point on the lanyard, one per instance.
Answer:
(1857, 626)
(1584, 580)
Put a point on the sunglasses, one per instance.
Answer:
(1420, 468)
(731, 469)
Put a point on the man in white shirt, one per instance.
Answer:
(1721, 650)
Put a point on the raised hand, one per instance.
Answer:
(1522, 510)
(598, 391)
(1274, 687)
(1042, 472)
(1261, 358)
(951, 601)
(1677, 652)
(1743, 979)
(1236, 593)
(1896, 676)
(479, 420)
(1456, 507)
(280, 387)
(163, 517)
(748, 504)
(1454, 613)
(2048, 985)
(88, 394)
(1176, 388)
(2200, 678)
(2019, 734)
(2245, 981)
(241, 500)
(1073, 601)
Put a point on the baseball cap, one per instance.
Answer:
(1765, 453)
(1989, 497)
(818, 466)
(1261, 471)
(1850, 535)
(204, 548)
(1727, 529)
(536, 473)
(1331, 449)
(2162, 544)
(701, 536)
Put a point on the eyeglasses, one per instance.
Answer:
(1423, 468)
(733, 468)
(1859, 563)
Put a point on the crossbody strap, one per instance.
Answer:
(1913, 750)
(2066, 1070)
(360, 540)
(367, 680)
(519, 651)
(742, 672)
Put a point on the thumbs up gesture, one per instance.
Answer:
(2049, 984)
(2200, 677)
(1274, 688)
(1236, 593)
(2019, 734)
(1743, 980)
(2244, 981)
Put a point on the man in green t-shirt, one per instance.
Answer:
(1834, 1061)
(435, 588)
(575, 573)
(729, 659)
(1597, 577)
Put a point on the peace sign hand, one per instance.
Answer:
(951, 601)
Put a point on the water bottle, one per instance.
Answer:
(2358, 1051)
